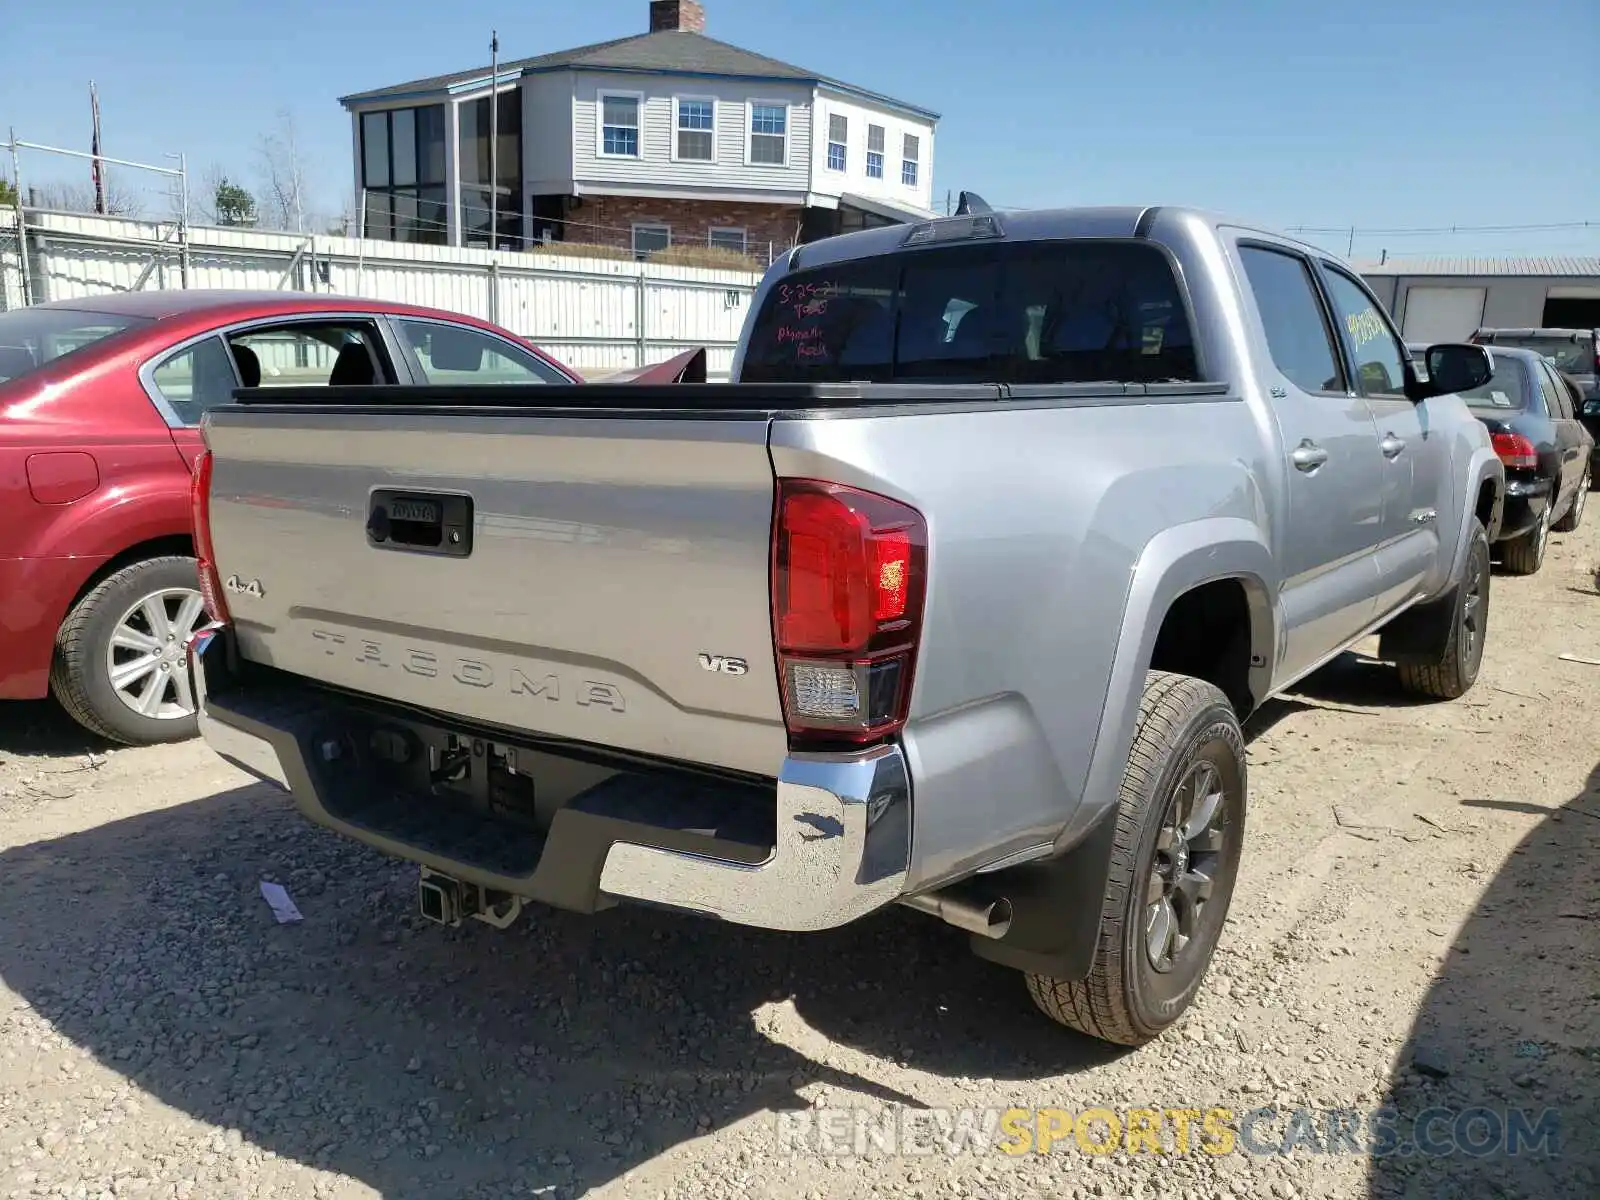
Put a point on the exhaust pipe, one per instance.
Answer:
(990, 919)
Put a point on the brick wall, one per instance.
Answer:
(690, 220)
(688, 16)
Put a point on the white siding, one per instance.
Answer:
(586, 312)
(854, 178)
(656, 166)
(547, 133)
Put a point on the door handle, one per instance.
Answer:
(1391, 446)
(1308, 456)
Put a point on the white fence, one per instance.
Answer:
(596, 315)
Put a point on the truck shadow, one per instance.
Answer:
(1511, 1024)
(1359, 680)
(429, 1062)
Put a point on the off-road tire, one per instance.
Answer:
(1573, 517)
(1456, 670)
(1182, 720)
(1525, 555)
(78, 678)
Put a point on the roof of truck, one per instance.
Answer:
(1042, 224)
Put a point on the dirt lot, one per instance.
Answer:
(1418, 925)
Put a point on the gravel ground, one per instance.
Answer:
(1416, 926)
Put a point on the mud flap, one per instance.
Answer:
(1056, 908)
(1421, 633)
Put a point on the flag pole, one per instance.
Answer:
(494, 139)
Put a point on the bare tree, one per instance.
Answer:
(79, 198)
(283, 181)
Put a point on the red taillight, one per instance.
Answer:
(849, 572)
(200, 508)
(1514, 450)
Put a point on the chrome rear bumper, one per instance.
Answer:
(841, 846)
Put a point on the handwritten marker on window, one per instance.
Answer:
(282, 907)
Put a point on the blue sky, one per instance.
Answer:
(1390, 115)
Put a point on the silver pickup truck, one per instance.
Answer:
(955, 599)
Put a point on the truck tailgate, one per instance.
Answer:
(611, 568)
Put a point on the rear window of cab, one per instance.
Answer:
(1024, 313)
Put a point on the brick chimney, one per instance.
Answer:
(677, 16)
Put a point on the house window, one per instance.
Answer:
(403, 175)
(838, 141)
(482, 197)
(728, 239)
(647, 239)
(619, 129)
(769, 134)
(697, 130)
(875, 151)
(908, 160)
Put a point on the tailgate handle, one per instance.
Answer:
(420, 522)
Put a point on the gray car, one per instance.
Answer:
(955, 599)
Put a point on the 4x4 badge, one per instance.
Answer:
(240, 587)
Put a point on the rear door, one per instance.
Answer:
(1335, 471)
(1571, 444)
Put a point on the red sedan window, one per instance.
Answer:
(32, 337)
(454, 354)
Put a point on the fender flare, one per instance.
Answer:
(1484, 467)
(1175, 561)
(1058, 901)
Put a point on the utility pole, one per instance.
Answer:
(1350, 250)
(494, 139)
(97, 170)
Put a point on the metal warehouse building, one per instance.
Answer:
(1445, 299)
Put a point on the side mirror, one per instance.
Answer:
(1452, 367)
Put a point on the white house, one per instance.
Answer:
(664, 138)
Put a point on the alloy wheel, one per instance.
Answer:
(1188, 853)
(145, 657)
(1473, 606)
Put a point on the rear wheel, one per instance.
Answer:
(1573, 517)
(1524, 555)
(119, 664)
(1455, 671)
(1180, 831)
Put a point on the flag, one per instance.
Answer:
(94, 149)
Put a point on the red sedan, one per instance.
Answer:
(100, 405)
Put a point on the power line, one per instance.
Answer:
(1426, 231)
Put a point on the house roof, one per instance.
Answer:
(1568, 265)
(669, 52)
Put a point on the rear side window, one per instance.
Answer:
(195, 380)
(1037, 312)
(1555, 394)
(1297, 330)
